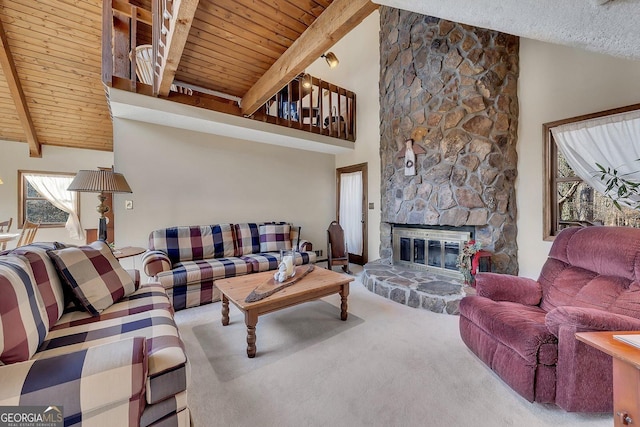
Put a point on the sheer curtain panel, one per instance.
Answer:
(351, 210)
(611, 141)
(54, 189)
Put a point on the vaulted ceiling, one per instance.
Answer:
(50, 50)
(51, 90)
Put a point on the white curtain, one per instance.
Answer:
(611, 141)
(54, 189)
(351, 210)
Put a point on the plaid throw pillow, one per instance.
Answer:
(247, 239)
(275, 237)
(95, 276)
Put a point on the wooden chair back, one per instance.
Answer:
(5, 226)
(337, 252)
(29, 230)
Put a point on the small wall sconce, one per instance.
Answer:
(306, 81)
(331, 59)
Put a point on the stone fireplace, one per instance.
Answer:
(452, 88)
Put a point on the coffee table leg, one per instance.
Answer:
(251, 319)
(344, 293)
(225, 310)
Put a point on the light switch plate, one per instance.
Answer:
(128, 204)
(371, 205)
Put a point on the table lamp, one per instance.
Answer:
(100, 181)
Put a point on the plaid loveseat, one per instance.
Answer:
(124, 366)
(187, 260)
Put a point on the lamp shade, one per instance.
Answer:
(100, 181)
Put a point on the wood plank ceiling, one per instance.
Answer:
(55, 46)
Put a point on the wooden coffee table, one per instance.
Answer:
(317, 284)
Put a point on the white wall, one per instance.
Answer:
(558, 82)
(14, 156)
(183, 177)
(359, 71)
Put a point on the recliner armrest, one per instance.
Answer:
(154, 262)
(581, 319)
(504, 287)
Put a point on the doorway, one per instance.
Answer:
(351, 209)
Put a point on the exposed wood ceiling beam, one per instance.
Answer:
(181, 20)
(337, 20)
(15, 88)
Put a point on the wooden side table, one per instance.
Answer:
(128, 251)
(626, 373)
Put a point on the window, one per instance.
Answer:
(35, 207)
(568, 199)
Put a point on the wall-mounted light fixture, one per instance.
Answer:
(306, 81)
(331, 59)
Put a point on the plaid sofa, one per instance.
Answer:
(125, 366)
(187, 260)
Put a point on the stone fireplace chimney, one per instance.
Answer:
(452, 88)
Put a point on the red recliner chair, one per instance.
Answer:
(524, 329)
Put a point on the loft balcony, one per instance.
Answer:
(137, 52)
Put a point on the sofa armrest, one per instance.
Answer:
(110, 379)
(154, 262)
(305, 246)
(504, 287)
(581, 319)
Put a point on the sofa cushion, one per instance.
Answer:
(94, 274)
(275, 237)
(188, 272)
(150, 296)
(23, 318)
(46, 276)
(262, 262)
(247, 239)
(96, 386)
(519, 327)
(164, 347)
(193, 243)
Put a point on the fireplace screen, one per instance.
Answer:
(429, 249)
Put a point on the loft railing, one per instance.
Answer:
(310, 104)
(316, 106)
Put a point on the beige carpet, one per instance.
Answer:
(387, 365)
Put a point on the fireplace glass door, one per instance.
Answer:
(451, 251)
(435, 254)
(419, 251)
(428, 249)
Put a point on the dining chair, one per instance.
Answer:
(5, 226)
(337, 253)
(28, 233)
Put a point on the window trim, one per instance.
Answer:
(22, 200)
(550, 159)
